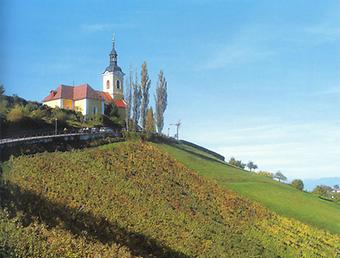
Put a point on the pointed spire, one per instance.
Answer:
(113, 40)
(113, 66)
(113, 54)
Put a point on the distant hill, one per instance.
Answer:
(133, 199)
(310, 184)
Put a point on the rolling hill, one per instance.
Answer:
(281, 198)
(134, 199)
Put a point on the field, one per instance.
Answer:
(133, 199)
(276, 196)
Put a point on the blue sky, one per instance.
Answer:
(258, 80)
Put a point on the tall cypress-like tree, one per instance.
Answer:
(145, 87)
(161, 100)
(128, 100)
(137, 97)
(150, 121)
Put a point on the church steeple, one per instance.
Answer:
(113, 54)
(113, 76)
(113, 66)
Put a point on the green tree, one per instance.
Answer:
(161, 100)
(4, 107)
(145, 87)
(39, 114)
(251, 165)
(136, 99)
(2, 89)
(337, 197)
(16, 114)
(236, 163)
(298, 184)
(111, 111)
(278, 175)
(59, 114)
(323, 190)
(31, 106)
(150, 121)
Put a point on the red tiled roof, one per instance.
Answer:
(120, 103)
(107, 97)
(83, 91)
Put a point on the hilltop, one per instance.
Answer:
(132, 198)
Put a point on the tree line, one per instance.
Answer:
(140, 116)
(328, 192)
(296, 183)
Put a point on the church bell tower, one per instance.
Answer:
(113, 76)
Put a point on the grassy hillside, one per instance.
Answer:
(132, 199)
(279, 197)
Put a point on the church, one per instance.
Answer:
(88, 101)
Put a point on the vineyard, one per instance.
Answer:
(133, 199)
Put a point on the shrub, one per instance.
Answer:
(16, 114)
(59, 114)
(265, 173)
(298, 184)
(39, 114)
(132, 136)
(236, 163)
(31, 106)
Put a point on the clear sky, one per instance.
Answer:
(258, 80)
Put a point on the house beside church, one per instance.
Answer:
(89, 101)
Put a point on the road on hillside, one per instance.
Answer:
(42, 137)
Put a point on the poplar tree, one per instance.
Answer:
(128, 100)
(145, 87)
(150, 121)
(137, 97)
(161, 100)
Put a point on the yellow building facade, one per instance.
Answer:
(80, 98)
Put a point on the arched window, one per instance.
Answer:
(108, 84)
(118, 84)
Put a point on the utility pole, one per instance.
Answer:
(168, 131)
(178, 124)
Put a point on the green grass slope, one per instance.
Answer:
(132, 199)
(276, 196)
